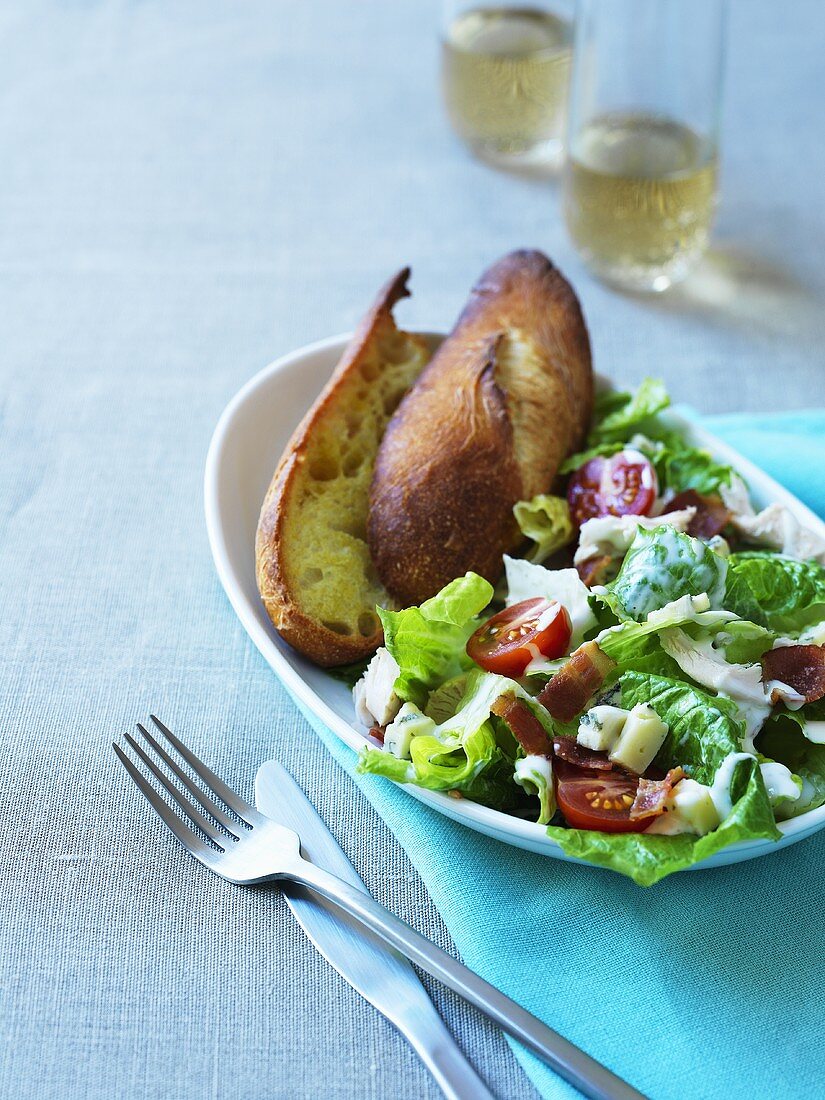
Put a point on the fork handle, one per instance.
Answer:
(579, 1069)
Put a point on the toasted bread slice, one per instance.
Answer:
(313, 564)
(505, 398)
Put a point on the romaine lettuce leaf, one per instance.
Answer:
(782, 739)
(350, 674)
(630, 638)
(464, 754)
(618, 415)
(680, 466)
(574, 461)
(546, 521)
(703, 729)
(428, 641)
(744, 642)
(647, 859)
(535, 775)
(621, 416)
(776, 592)
(661, 565)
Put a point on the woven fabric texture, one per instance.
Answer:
(190, 190)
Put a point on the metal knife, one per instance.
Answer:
(381, 975)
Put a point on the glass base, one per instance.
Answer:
(545, 153)
(643, 278)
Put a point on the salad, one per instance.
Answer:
(647, 681)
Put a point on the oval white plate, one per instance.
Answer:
(245, 448)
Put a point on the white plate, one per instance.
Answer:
(245, 448)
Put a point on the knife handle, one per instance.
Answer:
(450, 1069)
(570, 1062)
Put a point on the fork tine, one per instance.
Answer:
(190, 840)
(195, 816)
(232, 800)
(208, 804)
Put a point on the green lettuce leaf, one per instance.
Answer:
(464, 754)
(776, 592)
(536, 778)
(631, 638)
(546, 521)
(428, 641)
(581, 457)
(350, 674)
(647, 859)
(703, 728)
(618, 415)
(744, 642)
(782, 739)
(680, 466)
(661, 565)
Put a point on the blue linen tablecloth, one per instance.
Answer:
(708, 984)
(189, 190)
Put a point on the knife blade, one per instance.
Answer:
(381, 975)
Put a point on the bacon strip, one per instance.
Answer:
(525, 727)
(711, 514)
(651, 794)
(594, 570)
(570, 690)
(801, 667)
(567, 748)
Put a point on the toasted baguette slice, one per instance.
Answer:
(505, 398)
(312, 561)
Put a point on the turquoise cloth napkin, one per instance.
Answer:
(708, 984)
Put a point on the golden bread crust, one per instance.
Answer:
(502, 402)
(317, 501)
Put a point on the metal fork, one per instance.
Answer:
(254, 849)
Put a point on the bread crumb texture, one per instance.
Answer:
(328, 565)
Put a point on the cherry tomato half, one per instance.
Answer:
(508, 642)
(597, 800)
(621, 485)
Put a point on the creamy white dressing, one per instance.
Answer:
(540, 663)
(685, 609)
(778, 692)
(720, 788)
(535, 770)
(719, 545)
(815, 732)
(812, 635)
(779, 782)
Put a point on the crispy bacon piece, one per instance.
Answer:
(569, 691)
(594, 570)
(711, 514)
(801, 667)
(378, 733)
(651, 794)
(567, 748)
(525, 727)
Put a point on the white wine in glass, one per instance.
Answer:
(640, 197)
(640, 183)
(505, 73)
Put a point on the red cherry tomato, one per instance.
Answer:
(597, 800)
(621, 485)
(508, 642)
